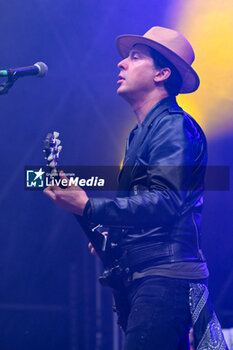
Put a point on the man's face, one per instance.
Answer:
(137, 72)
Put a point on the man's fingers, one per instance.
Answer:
(51, 194)
(63, 176)
(90, 246)
(68, 185)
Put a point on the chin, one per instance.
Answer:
(121, 91)
(125, 95)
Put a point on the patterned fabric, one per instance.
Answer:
(206, 327)
(228, 334)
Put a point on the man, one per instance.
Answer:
(156, 213)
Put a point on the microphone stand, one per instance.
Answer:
(4, 87)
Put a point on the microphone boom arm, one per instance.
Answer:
(4, 87)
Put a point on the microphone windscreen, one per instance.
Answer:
(43, 69)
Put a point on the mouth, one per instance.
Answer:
(121, 79)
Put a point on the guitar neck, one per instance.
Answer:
(52, 149)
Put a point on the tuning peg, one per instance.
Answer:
(56, 134)
(59, 149)
(58, 142)
(53, 172)
(52, 164)
(50, 157)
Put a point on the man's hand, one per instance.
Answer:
(72, 198)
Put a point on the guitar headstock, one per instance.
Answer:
(52, 149)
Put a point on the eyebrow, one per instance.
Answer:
(134, 51)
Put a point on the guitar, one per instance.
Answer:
(116, 271)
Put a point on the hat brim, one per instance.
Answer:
(190, 79)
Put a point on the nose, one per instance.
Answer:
(123, 64)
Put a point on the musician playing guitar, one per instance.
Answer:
(152, 255)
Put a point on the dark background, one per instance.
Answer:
(49, 294)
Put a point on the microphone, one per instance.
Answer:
(39, 69)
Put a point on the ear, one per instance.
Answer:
(162, 74)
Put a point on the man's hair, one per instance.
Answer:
(174, 82)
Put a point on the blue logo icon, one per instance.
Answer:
(35, 179)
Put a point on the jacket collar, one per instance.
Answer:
(168, 103)
(162, 105)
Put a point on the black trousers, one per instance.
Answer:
(159, 316)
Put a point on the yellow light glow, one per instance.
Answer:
(208, 26)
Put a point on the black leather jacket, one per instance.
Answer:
(156, 215)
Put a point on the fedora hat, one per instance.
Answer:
(172, 45)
